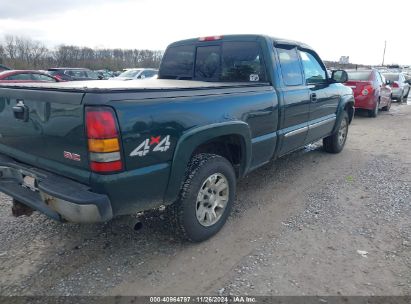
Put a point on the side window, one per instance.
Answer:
(40, 77)
(207, 62)
(383, 79)
(313, 70)
(242, 61)
(19, 77)
(379, 78)
(290, 66)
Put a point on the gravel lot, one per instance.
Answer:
(310, 223)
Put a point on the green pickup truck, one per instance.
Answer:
(221, 107)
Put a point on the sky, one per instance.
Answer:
(333, 28)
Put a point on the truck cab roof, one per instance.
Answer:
(249, 37)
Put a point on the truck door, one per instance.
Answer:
(295, 100)
(324, 96)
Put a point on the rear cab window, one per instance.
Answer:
(228, 61)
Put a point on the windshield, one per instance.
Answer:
(359, 75)
(130, 73)
(392, 77)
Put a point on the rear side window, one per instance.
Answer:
(230, 62)
(178, 62)
(290, 66)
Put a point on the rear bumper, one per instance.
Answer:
(396, 92)
(364, 102)
(57, 197)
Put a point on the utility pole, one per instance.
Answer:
(383, 56)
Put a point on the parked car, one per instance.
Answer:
(109, 148)
(371, 92)
(104, 74)
(132, 74)
(400, 86)
(73, 74)
(21, 76)
(3, 68)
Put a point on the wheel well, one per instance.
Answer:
(227, 146)
(349, 108)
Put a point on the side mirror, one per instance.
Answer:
(339, 76)
(388, 82)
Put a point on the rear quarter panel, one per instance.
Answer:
(152, 120)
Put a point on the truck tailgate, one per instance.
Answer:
(44, 128)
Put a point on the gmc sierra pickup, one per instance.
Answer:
(222, 107)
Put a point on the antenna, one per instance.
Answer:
(383, 55)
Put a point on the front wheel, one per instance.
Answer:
(206, 197)
(336, 141)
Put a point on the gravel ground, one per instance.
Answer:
(310, 223)
(351, 232)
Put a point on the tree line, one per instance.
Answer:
(24, 53)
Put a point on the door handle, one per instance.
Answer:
(313, 97)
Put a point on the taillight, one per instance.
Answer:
(367, 90)
(210, 38)
(103, 140)
(395, 84)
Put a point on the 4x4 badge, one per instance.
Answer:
(161, 145)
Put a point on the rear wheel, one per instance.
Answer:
(374, 112)
(388, 106)
(401, 98)
(206, 197)
(336, 141)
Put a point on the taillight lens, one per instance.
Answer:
(367, 90)
(103, 140)
(101, 123)
(395, 84)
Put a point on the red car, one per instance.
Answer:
(22, 76)
(371, 92)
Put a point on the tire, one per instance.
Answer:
(374, 112)
(335, 142)
(401, 98)
(192, 214)
(388, 106)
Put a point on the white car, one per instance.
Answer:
(400, 86)
(132, 74)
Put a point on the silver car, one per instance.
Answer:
(131, 74)
(400, 86)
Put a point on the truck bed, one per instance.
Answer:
(99, 86)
